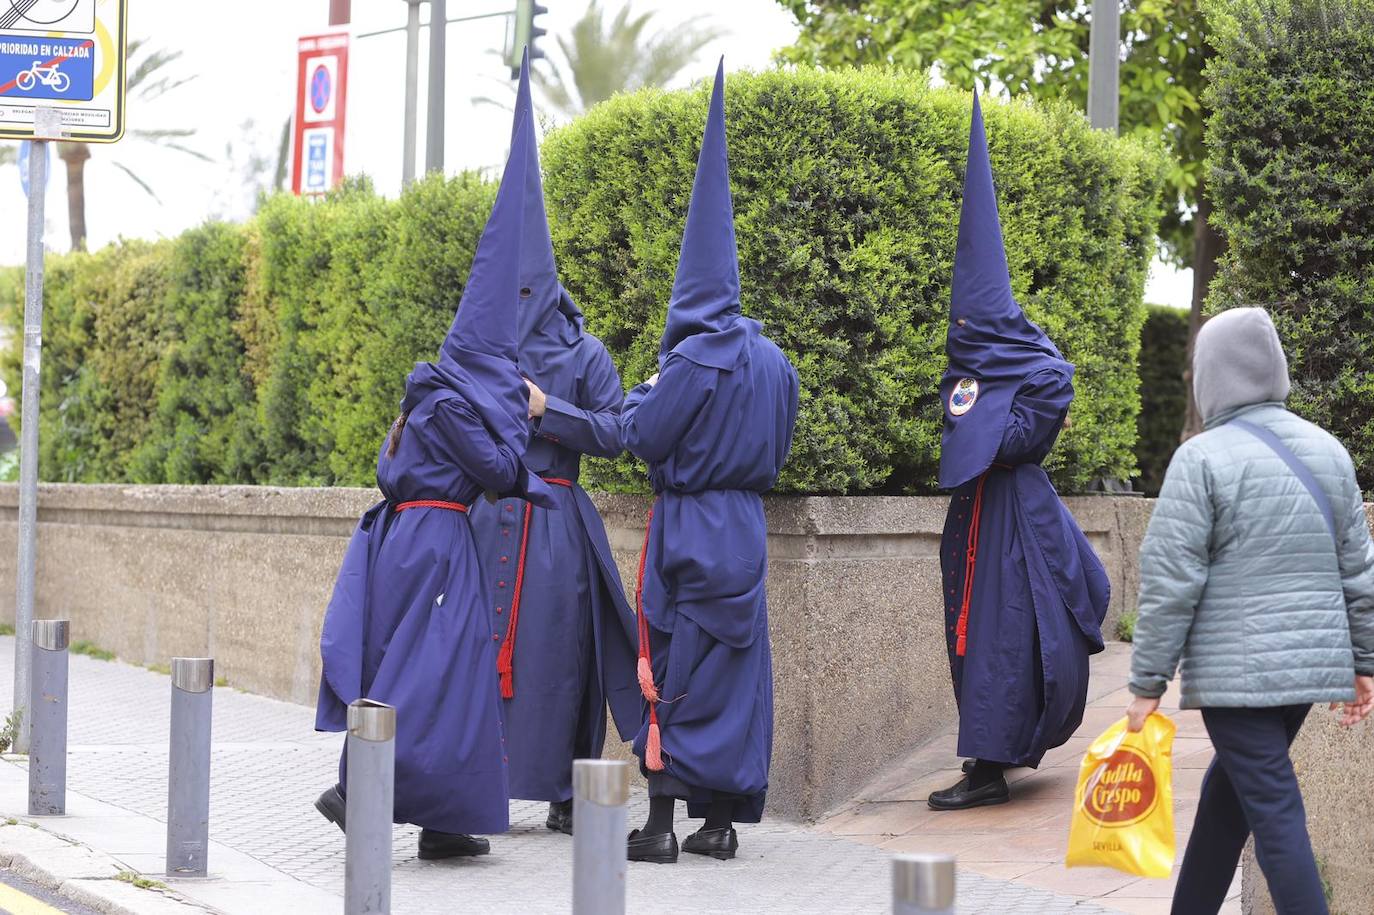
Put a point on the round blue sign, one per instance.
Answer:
(320, 88)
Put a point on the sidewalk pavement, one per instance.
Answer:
(269, 846)
(1026, 841)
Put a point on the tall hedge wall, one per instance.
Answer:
(1163, 393)
(276, 352)
(1291, 172)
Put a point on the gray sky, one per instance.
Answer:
(245, 72)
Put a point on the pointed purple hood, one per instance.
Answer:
(704, 321)
(546, 310)
(479, 356)
(991, 346)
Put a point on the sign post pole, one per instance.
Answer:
(28, 440)
(62, 77)
(412, 90)
(434, 127)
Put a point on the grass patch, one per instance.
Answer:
(159, 669)
(1125, 626)
(91, 650)
(143, 883)
(11, 822)
(6, 629)
(221, 681)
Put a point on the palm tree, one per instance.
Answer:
(147, 82)
(600, 61)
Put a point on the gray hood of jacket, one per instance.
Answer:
(1237, 362)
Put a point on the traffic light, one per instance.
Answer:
(525, 34)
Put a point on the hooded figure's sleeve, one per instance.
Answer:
(1036, 417)
(655, 417)
(465, 440)
(592, 425)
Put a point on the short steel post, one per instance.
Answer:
(48, 706)
(923, 885)
(601, 790)
(370, 799)
(188, 768)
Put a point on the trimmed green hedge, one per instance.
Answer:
(1163, 393)
(276, 352)
(1291, 175)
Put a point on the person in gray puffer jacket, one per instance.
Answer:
(1267, 603)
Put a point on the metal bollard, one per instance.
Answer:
(601, 791)
(188, 767)
(369, 799)
(923, 884)
(48, 708)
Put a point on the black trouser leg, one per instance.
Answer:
(1251, 788)
(720, 815)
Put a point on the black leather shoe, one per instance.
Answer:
(331, 806)
(659, 849)
(720, 844)
(962, 797)
(560, 817)
(435, 845)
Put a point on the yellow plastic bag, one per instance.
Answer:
(1123, 814)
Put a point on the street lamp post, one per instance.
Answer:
(1104, 65)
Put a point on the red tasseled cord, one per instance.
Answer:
(653, 744)
(505, 661)
(961, 629)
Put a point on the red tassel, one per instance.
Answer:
(504, 668)
(646, 681)
(653, 749)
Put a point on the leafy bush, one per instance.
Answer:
(276, 352)
(846, 190)
(1291, 166)
(1163, 393)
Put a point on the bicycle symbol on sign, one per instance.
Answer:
(38, 74)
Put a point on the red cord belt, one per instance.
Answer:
(505, 661)
(971, 563)
(653, 744)
(433, 503)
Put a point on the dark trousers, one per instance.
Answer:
(1251, 788)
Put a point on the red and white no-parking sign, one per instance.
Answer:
(321, 84)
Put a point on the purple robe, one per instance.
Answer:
(1021, 629)
(1038, 597)
(573, 648)
(409, 622)
(714, 439)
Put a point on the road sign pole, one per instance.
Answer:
(412, 90)
(434, 129)
(28, 440)
(1104, 64)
